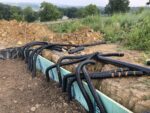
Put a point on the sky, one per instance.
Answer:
(79, 2)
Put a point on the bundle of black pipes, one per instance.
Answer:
(82, 74)
(30, 52)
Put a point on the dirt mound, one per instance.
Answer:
(82, 36)
(13, 32)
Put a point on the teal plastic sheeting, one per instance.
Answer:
(110, 105)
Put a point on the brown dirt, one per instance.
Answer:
(13, 33)
(19, 93)
(81, 36)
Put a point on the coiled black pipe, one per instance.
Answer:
(30, 58)
(82, 57)
(95, 75)
(58, 67)
(118, 63)
(30, 45)
(92, 75)
(49, 46)
(79, 59)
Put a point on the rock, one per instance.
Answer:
(37, 105)
(4, 77)
(21, 88)
(33, 109)
(65, 104)
(19, 43)
(15, 101)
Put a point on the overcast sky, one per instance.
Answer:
(79, 2)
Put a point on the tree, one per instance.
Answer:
(88, 11)
(16, 13)
(30, 15)
(81, 13)
(71, 12)
(117, 6)
(92, 10)
(5, 12)
(49, 12)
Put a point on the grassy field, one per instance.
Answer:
(130, 29)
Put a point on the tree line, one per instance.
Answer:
(49, 12)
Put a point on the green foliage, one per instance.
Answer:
(92, 10)
(5, 12)
(129, 29)
(16, 13)
(66, 27)
(115, 6)
(88, 11)
(139, 36)
(49, 12)
(73, 12)
(29, 14)
(93, 22)
(13, 12)
(81, 13)
(70, 12)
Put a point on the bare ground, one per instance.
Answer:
(19, 93)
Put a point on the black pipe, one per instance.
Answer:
(93, 91)
(80, 84)
(75, 50)
(145, 70)
(90, 85)
(30, 45)
(93, 75)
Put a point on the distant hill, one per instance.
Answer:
(35, 6)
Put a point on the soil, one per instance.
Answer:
(13, 33)
(19, 93)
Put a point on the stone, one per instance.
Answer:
(33, 109)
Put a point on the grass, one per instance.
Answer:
(130, 29)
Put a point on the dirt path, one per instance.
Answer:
(19, 93)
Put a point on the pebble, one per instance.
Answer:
(33, 109)
(29, 86)
(65, 104)
(15, 101)
(21, 88)
(36, 84)
(4, 77)
(37, 105)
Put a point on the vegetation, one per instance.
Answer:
(29, 14)
(16, 13)
(129, 29)
(13, 12)
(5, 12)
(70, 12)
(115, 6)
(118, 24)
(49, 12)
(88, 11)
